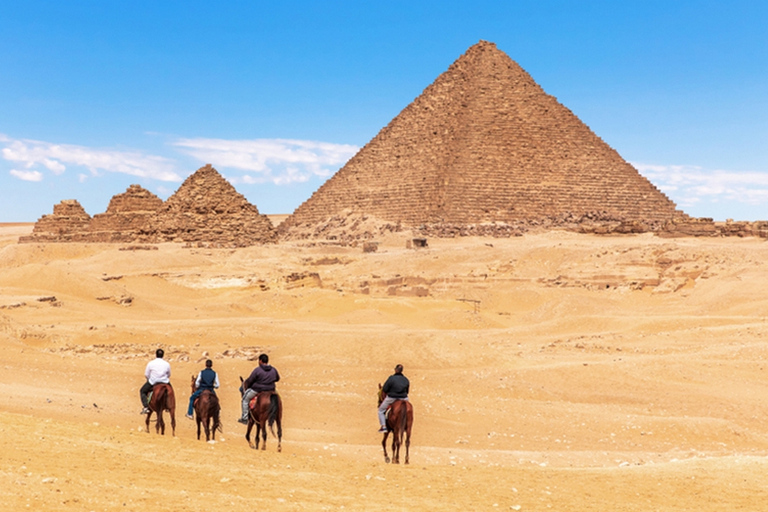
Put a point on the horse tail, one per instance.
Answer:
(274, 409)
(217, 415)
(159, 398)
(170, 400)
(403, 420)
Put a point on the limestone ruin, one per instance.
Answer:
(68, 223)
(206, 209)
(129, 218)
(484, 145)
(483, 151)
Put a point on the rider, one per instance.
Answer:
(262, 378)
(207, 379)
(396, 388)
(157, 371)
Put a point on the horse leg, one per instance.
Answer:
(199, 421)
(172, 412)
(384, 445)
(160, 425)
(148, 416)
(216, 424)
(264, 435)
(279, 435)
(207, 428)
(395, 447)
(248, 433)
(407, 444)
(257, 436)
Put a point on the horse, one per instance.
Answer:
(207, 410)
(267, 410)
(399, 423)
(163, 399)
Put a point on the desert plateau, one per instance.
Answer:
(550, 371)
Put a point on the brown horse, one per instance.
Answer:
(207, 410)
(267, 409)
(163, 399)
(399, 423)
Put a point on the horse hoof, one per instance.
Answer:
(386, 459)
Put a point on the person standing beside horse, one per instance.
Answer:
(158, 371)
(207, 380)
(262, 378)
(396, 388)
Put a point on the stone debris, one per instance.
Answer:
(701, 227)
(121, 351)
(139, 248)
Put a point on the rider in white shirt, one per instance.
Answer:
(158, 371)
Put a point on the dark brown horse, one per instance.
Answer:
(163, 399)
(399, 423)
(267, 409)
(207, 410)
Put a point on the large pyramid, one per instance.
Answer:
(484, 143)
(207, 208)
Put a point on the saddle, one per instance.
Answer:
(252, 403)
(389, 408)
(201, 395)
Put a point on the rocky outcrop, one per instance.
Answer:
(482, 145)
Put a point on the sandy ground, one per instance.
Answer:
(553, 371)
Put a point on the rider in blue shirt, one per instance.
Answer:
(207, 379)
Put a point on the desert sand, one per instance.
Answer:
(552, 371)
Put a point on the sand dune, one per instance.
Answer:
(553, 370)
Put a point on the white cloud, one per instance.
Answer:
(690, 185)
(56, 157)
(279, 161)
(27, 175)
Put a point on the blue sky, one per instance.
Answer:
(97, 95)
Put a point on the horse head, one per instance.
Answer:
(241, 386)
(194, 388)
(381, 395)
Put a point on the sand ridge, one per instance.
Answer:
(594, 373)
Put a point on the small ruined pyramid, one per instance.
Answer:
(207, 208)
(484, 143)
(128, 218)
(68, 223)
